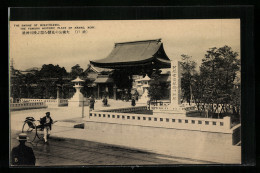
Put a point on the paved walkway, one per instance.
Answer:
(60, 113)
(185, 151)
(180, 153)
(65, 152)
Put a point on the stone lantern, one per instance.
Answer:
(78, 98)
(145, 85)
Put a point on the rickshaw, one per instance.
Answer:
(33, 129)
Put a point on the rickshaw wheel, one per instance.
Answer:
(30, 130)
(40, 132)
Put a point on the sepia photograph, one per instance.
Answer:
(125, 92)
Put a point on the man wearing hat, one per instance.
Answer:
(22, 155)
(46, 122)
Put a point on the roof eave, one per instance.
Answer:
(123, 64)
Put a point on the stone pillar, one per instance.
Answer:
(58, 96)
(227, 122)
(175, 83)
(98, 91)
(58, 92)
(106, 92)
(114, 91)
(62, 94)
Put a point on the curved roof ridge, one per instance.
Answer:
(158, 40)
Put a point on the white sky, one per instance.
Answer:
(191, 37)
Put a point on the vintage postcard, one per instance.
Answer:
(125, 92)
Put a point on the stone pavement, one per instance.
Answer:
(66, 152)
(179, 153)
(183, 151)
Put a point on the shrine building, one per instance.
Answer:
(136, 57)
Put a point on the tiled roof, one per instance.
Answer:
(138, 52)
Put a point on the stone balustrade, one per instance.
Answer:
(38, 100)
(190, 107)
(29, 105)
(217, 107)
(155, 107)
(127, 109)
(166, 107)
(49, 102)
(160, 103)
(163, 121)
(62, 102)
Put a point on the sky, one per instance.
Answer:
(190, 37)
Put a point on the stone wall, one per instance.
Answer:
(207, 146)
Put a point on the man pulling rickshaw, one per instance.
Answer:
(33, 128)
(46, 122)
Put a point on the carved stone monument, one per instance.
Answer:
(176, 106)
(175, 84)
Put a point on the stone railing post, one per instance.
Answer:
(227, 122)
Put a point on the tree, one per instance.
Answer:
(17, 83)
(51, 71)
(76, 70)
(218, 70)
(197, 86)
(188, 70)
(155, 89)
(236, 97)
(30, 81)
(87, 87)
(49, 78)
